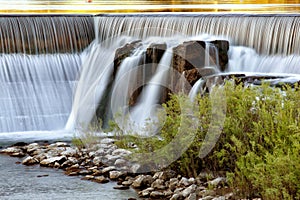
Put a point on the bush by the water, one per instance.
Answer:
(259, 144)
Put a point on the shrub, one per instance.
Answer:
(258, 146)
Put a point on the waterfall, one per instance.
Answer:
(267, 34)
(45, 34)
(40, 60)
(94, 78)
(142, 117)
(36, 91)
(57, 71)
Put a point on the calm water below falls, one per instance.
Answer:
(22, 182)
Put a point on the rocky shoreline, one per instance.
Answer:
(106, 162)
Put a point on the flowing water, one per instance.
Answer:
(34, 183)
(55, 72)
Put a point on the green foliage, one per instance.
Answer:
(259, 146)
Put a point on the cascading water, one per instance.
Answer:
(36, 91)
(36, 68)
(40, 62)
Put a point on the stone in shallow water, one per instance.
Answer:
(121, 187)
(101, 179)
(49, 161)
(30, 161)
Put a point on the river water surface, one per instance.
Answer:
(19, 182)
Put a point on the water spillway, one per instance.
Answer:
(40, 61)
(62, 71)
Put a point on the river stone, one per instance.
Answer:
(187, 191)
(156, 194)
(70, 152)
(41, 156)
(116, 174)
(158, 184)
(176, 197)
(168, 193)
(127, 182)
(101, 179)
(97, 161)
(184, 181)
(30, 161)
(59, 144)
(66, 164)
(108, 169)
(121, 187)
(11, 150)
(192, 196)
(49, 161)
(142, 181)
(146, 193)
(172, 184)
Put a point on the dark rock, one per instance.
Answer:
(189, 55)
(121, 187)
(123, 52)
(44, 175)
(222, 47)
(20, 144)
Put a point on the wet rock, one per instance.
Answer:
(145, 193)
(70, 152)
(191, 197)
(142, 181)
(59, 144)
(88, 177)
(157, 195)
(84, 172)
(222, 47)
(52, 160)
(116, 174)
(176, 197)
(13, 151)
(123, 52)
(121, 187)
(158, 184)
(101, 179)
(30, 161)
(106, 170)
(20, 144)
(56, 165)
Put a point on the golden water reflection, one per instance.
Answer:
(128, 6)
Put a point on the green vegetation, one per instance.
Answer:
(259, 144)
